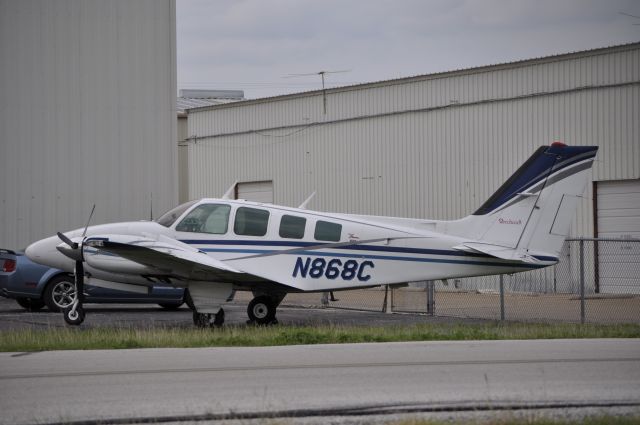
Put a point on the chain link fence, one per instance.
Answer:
(596, 280)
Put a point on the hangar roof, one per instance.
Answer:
(189, 99)
(444, 74)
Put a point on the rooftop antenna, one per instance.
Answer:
(324, 90)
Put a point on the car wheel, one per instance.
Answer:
(30, 304)
(170, 306)
(60, 293)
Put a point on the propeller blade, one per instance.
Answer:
(88, 221)
(66, 240)
(73, 253)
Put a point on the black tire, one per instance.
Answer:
(201, 320)
(261, 310)
(170, 306)
(76, 318)
(60, 293)
(219, 318)
(30, 304)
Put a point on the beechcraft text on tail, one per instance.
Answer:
(214, 247)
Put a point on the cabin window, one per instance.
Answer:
(292, 227)
(206, 218)
(326, 231)
(251, 222)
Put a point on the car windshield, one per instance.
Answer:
(170, 217)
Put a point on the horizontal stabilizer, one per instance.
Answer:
(498, 251)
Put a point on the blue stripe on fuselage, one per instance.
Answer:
(364, 255)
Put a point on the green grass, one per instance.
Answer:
(229, 336)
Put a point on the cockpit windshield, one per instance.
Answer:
(170, 217)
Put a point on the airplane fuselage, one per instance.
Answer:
(315, 251)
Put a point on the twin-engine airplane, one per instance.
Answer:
(214, 247)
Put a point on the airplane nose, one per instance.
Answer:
(44, 252)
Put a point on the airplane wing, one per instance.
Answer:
(166, 256)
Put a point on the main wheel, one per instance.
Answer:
(262, 310)
(30, 304)
(74, 318)
(219, 319)
(201, 320)
(60, 293)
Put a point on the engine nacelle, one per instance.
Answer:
(114, 264)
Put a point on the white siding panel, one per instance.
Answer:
(87, 114)
(619, 217)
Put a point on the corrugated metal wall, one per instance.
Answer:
(434, 146)
(87, 113)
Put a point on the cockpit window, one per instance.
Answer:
(167, 219)
(206, 218)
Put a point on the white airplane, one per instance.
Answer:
(214, 247)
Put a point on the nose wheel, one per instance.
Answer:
(74, 314)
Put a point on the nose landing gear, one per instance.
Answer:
(74, 314)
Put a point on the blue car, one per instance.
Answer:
(35, 286)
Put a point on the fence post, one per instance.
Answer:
(582, 281)
(502, 297)
(431, 302)
(388, 299)
(325, 299)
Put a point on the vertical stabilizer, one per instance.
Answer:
(532, 211)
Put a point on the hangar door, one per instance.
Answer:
(255, 191)
(618, 217)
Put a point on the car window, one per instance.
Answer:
(251, 222)
(206, 218)
(292, 227)
(326, 231)
(170, 217)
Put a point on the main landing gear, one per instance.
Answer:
(262, 310)
(205, 320)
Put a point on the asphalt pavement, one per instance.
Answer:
(347, 384)
(299, 383)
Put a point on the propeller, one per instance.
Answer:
(74, 315)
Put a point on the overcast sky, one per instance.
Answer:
(251, 45)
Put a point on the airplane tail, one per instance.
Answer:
(529, 216)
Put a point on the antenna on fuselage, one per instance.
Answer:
(303, 205)
(230, 191)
